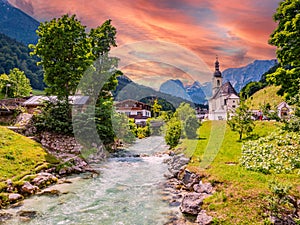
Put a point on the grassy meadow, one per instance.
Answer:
(240, 193)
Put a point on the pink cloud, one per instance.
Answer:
(237, 31)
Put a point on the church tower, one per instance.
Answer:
(217, 78)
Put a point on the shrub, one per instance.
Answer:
(55, 117)
(191, 126)
(173, 132)
(276, 153)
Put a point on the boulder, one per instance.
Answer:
(27, 214)
(29, 189)
(203, 218)
(44, 179)
(14, 197)
(189, 179)
(203, 188)
(191, 203)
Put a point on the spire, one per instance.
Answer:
(217, 72)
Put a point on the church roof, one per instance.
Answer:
(225, 89)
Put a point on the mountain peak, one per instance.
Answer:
(16, 24)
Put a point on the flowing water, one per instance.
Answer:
(128, 191)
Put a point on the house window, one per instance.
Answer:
(139, 113)
(233, 101)
(127, 113)
(233, 106)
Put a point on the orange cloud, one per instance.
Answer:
(237, 31)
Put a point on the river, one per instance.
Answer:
(127, 191)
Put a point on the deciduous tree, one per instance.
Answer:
(65, 54)
(15, 84)
(241, 121)
(286, 37)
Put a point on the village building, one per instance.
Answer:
(284, 110)
(139, 111)
(224, 98)
(34, 102)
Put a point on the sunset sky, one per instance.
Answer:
(237, 31)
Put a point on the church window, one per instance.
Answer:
(233, 106)
(218, 83)
(225, 101)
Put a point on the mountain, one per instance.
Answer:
(193, 92)
(14, 54)
(16, 24)
(127, 89)
(239, 77)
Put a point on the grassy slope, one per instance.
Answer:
(239, 200)
(20, 156)
(264, 96)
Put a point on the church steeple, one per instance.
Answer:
(217, 72)
(217, 77)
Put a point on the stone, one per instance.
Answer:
(14, 197)
(27, 214)
(44, 179)
(203, 218)
(5, 216)
(203, 188)
(189, 179)
(191, 203)
(28, 188)
(51, 192)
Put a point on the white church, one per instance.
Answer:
(224, 98)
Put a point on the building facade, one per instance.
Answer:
(139, 111)
(224, 98)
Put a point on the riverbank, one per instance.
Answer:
(127, 191)
(27, 168)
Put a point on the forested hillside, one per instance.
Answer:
(16, 55)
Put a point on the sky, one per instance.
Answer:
(170, 38)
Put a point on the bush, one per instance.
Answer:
(55, 117)
(276, 153)
(173, 132)
(191, 126)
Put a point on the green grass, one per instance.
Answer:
(264, 96)
(239, 199)
(20, 156)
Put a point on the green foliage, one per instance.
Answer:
(250, 89)
(191, 126)
(286, 38)
(16, 55)
(173, 132)
(55, 117)
(293, 124)
(156, 108)
(280, 204)
(122, 128)
(103, 121)
(241, 121)
(142, 132)
(184, 110)
(65, 54)
(276, 153)
(19, 84)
